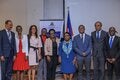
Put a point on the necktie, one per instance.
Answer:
(97, 35)
(82, 38)
(111, 41)
(9, 36)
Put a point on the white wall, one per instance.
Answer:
(21, 12)
(87, 12)
(35, 10)
(14, 10)
(53, 9)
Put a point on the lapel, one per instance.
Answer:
(79, 40)
(94, 35)
(7, 36)
(101, 35)
(85, 39)
(113, 43)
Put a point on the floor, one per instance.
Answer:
(60, 77)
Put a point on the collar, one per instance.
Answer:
(112, 36)
(99, 31)
(7, 30)
(82, 34)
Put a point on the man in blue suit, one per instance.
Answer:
(82, 47)
(7, 50)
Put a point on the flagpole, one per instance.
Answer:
(68, 8)
(67, 15)
(69, 26)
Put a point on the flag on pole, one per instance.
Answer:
(69, 26)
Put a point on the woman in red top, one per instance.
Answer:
(21, 62)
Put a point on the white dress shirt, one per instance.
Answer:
(83, 35)
(99, 33)
(9, 34)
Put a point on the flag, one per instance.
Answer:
(69, 27)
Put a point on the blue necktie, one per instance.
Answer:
(111, 41)
(97, 35)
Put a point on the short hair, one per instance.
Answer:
(67, 33)
(51, 30)
(7, 21)
(18, 26)
(98, 22)
(43, 29)
(81, 26)
(113, 28)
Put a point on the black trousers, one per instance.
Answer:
(99, 67)
(6, 68)
(113, 68)
(51, 68)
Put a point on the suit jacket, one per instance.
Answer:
(7, 48)
(48, 46)
(79, 47)
(114, 51)
(98, 45)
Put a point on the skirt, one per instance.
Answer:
(21, 63)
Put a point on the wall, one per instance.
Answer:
(87, 12)
(27, 12)
(21, 12)
(53, 9)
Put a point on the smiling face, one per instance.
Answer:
(19, 29)
(112, 31)
(66, 36)
(81, 29)
(52, 33)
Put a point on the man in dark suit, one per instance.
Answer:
(7, 50)
(82, 46)
(98, 40)
(112, 54)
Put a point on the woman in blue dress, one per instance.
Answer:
(67, 57)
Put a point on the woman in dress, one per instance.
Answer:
(21, 62)
(67, 57)
(51, 48)
(35, 45)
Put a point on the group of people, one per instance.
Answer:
(40, 54)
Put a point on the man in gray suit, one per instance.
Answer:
(82, 47)
(98, 44)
